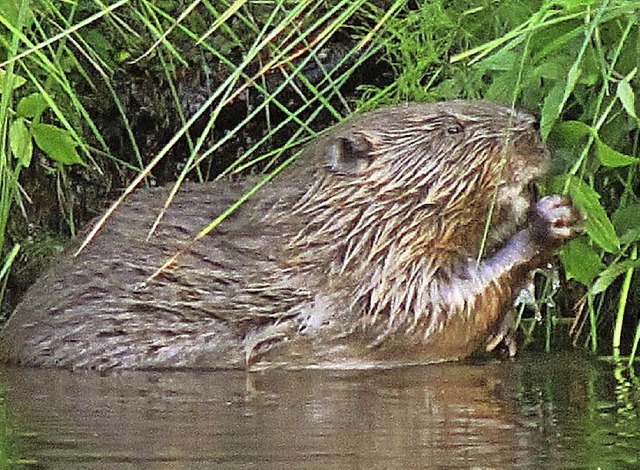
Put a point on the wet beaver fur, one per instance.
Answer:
(362, 252)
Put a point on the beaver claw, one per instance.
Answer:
(555, 218)
(505, 335)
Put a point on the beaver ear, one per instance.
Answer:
(348, 155)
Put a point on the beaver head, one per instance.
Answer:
(423, 178)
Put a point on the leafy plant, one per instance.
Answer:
(27, 102)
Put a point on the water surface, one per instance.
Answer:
(540, 411)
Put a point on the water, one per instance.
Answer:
(540, 411)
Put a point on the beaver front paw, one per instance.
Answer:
(505, 335)
(555, 219)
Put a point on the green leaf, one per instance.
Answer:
(556, 99)
(597, 224)
(504, 60)
(32, 105)
(612, 158)
(501, 86)
(20, 142)
(626, 220)
(625, 94)
(631, 236)
(572, 78)
(56, 143)
(123, 56)
(17, 82)
(572, 4)
(580, 261)
(98, 42)
(611, 274)
(571, 133)
(10, 11)
(551, 108)
(549, 71)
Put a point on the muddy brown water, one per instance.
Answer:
(539, 411)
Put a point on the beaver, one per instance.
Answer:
(401, 236)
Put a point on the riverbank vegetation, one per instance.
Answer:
(97, 99)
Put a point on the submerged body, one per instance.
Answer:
(363, 251)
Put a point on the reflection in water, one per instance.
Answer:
(542, 411)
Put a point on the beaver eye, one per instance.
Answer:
(453, 129)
